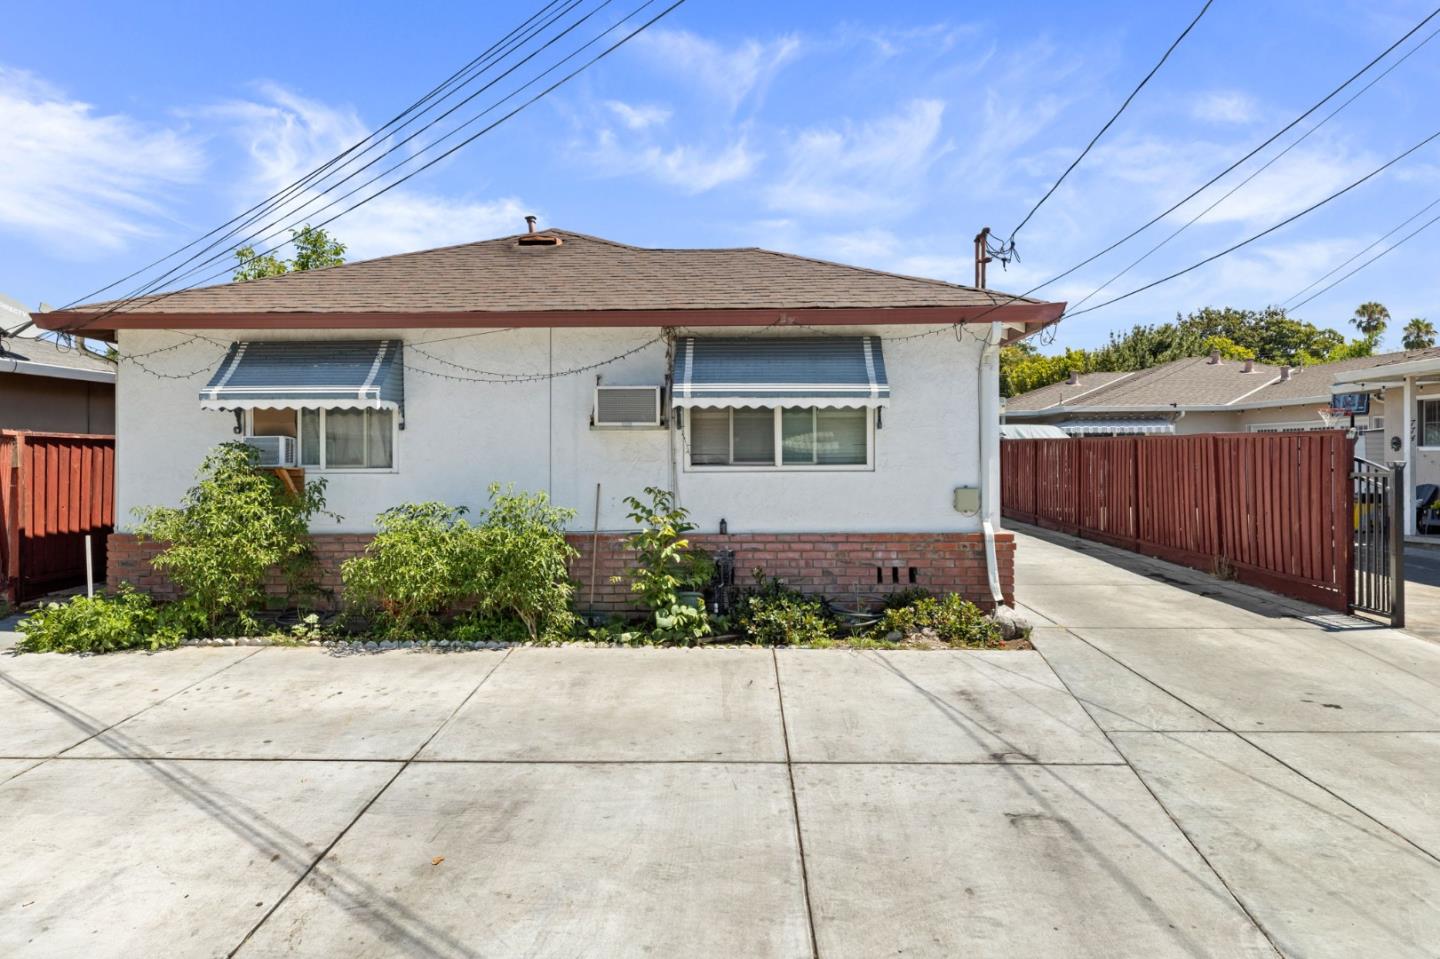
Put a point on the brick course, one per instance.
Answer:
(854, 569)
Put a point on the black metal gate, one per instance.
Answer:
(1379, 582)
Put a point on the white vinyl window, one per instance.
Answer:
(1429, 417)
(334, 439)
(792, 437)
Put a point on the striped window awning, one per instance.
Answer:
(828, 371)
(1117, 427)
(308, 374)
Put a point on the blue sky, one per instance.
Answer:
(884, 135)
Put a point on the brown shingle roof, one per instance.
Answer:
(1195, 382)
(583, 273)
(1062, 393)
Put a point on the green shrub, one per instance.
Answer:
(477, 627)
(127, 620)
(234, 526)
(521, 562)
(953, 620)
(418, 565)
(907, 597)
(665, 565)
(774, 614)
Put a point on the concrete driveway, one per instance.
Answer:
(1170, 774)
(1422, 590)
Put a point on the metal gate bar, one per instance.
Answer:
(1379, 528)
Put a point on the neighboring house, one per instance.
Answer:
(833, 420)
(48, 387)
(1408, 385)
(1211, 395)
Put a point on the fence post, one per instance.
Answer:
(16, 517)
(1397, 544)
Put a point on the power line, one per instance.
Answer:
(1251, 239)
(1229, 169)
(1010, 243)
(293, 215)
(463, 143)
(1259, 170)
(303, 181)
(1395, 229)
(1390, 249)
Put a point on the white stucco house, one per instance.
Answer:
(832, 425)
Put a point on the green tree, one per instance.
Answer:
(1370, 319)
(1419, 334)
(314, 250)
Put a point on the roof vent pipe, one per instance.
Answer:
(1284, 372)
(1215, 357)
(530, 222)
(1074, 378)
(1249, 366)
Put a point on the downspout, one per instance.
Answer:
(988, 380)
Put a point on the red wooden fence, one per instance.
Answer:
(54, 489)
(1272, 509)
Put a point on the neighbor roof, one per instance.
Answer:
(36, 357)
(1196, 383)
(579, 275)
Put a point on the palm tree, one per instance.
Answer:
(1371, 319)
(1419, 334)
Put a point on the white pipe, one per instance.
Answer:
(989, 389)
(89, 570)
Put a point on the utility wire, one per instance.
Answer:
(1251, 239)
(1390, 249)
(1393, 230)
(318, 171)
(293, 214)
(1225, 172)
(1010, 243)
(436, 159)
(1259, 170)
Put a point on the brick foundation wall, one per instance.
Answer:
(855, 569)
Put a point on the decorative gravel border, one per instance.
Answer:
(443, 645)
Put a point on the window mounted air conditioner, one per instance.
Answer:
(626, 407)
(274, 450)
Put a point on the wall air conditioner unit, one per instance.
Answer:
(274, 450)
(626, 407)
(1376, 423)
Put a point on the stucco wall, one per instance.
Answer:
(459, 436)
(1427, 461)
(55, 405)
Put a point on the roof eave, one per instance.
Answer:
(1020, 319)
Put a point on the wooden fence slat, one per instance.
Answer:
(1274, 508)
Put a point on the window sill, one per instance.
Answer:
(780, 469)
(347, 472)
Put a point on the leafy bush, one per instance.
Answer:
(476, 627)
(418, 565)
(234, 526)
(521, 561)
(665, 565)
(127, 620)
(774, 614)
(953, 620)
(906, 597)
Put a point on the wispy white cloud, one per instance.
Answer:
(1225, 106)
(856, 169)
(286, 135)
(638, 116)
(692, 168)
(79, 179)
(730, 74)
